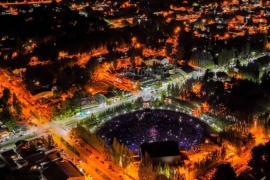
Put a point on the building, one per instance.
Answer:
(42, 163)
(111, 97)
(62, 170)
(177, 77)
(106, 98)
(9, 157)
(150, 61)
(4, 133)
(166, 152)
(15, 160)
(88, 103)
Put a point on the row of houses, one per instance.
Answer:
(167, 73)
(43, 163)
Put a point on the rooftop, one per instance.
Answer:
(61, 170)
(7, 157)
(160, 149)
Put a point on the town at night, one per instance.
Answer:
(135, 90)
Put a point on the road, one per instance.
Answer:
(15, 85)
(69, 155)
(96, 160)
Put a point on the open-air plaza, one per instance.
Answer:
(136, 128)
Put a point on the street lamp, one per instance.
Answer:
(91, 158)
(177, 30)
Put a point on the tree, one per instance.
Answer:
(10, 124)
(49, 142)
(221, 75)
(172, 90)
(110, 88)
(223, 152)
(62, 80)
(169, 88)
(238, 146)
(247, 48)
(115, 63)
(6, 115)
(208, 75)
(6, 95)
(116, 150)
(138, 102)
(17, 105)
(126, 156)
(121, 154)
(180, 53)
(33, 146)
(168, 49)
(202, 59)
(132, 61)
(92, 66)
(76, 100)
(164, 170)
(224, 172)
(260, 159)
(162, 97)
(15, 99)
(39, 73)
(225, 56)
(146, 170)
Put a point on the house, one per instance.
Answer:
(17, 129)
(127, 93)
(88, 103)
(8, 157)
(150, 61)
(23, 157)
(100, 98)
(112, 97)
(177, 77)
(106, 98)
(4, 133)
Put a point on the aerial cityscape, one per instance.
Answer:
(135, 90)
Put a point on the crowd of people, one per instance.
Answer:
(135, 128)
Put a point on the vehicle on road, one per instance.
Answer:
(88, 150)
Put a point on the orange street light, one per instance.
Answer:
(138, 45)
(134, 39)
(177, 30)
